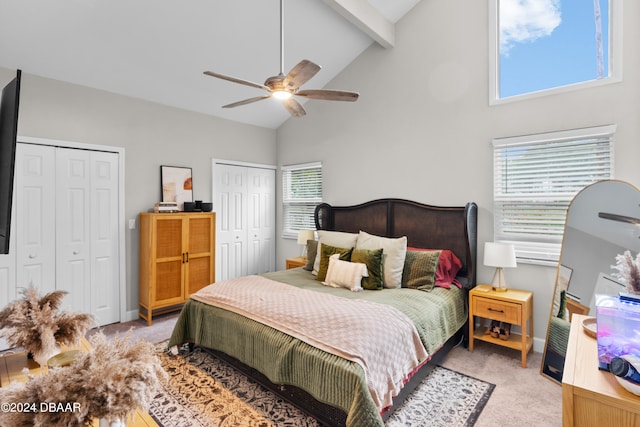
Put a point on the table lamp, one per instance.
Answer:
(303, 236)
(499, 255)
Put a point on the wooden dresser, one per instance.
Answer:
(591, 397)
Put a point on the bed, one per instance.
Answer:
(332, 388)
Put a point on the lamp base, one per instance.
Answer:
(498, 283)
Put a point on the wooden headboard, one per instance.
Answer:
(432, 227)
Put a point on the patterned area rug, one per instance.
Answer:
(206, 392)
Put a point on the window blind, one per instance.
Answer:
(535, 179)
(301, 193)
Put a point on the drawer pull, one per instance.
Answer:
(496, 311)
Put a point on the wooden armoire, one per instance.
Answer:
(177, 258)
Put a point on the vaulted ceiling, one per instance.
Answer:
(157, 50)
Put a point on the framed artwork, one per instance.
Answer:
(177, 185)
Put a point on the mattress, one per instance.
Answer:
(437, 315)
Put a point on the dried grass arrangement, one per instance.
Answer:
(628, 271)
(109, 382)
(36, 324)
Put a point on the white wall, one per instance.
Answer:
(423, 125)
(151, 134)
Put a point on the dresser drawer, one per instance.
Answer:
(497, 310)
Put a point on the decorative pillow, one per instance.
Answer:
(333, 238)
(325, 252)
(312, 250)
(448, 267)
(372, 258)
(344, 274)
(393, 254)
(420, 270)
(563, 305)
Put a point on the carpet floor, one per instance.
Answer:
(204, 391)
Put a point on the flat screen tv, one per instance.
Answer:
(9, 104)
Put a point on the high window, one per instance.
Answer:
(301, 193)
(535, 179)
(543, 46)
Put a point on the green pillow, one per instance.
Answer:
(420, 270)
(563, 305)
(372, 258)
(325, 252)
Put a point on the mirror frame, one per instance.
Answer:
(563, 270)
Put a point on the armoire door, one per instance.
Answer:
(244, 201)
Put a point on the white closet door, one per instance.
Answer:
(261, 220)
(35, 228)
(231, 221)
(105, 262)
(73, 216)
(87, 238)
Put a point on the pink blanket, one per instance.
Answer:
(379, 338)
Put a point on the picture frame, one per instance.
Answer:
(176, 184)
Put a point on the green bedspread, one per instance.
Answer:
(437, 314)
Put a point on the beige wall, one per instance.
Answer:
(422, 127)
(151, 134)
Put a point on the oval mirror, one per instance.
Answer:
(603, 220)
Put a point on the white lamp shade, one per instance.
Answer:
(304, 235)
(499, 255)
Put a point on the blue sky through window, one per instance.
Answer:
(550, 43)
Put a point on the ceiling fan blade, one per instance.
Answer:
(294, 108)
(246, 101)
(329, 95)
(300, 74)
(620, 218)
(235, 80)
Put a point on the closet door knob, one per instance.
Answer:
(76, 252)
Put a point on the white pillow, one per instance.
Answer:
(345, 274)
(338, 239)
(394, 252)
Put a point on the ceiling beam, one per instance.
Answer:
(367, 19)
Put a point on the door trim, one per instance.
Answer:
(121, 216)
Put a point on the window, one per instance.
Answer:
(535, 179)
(543, 46)
(301, 193)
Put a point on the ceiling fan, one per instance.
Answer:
(286, 87)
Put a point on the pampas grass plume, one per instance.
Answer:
(110, 381)
(628, 269)
(35, 323)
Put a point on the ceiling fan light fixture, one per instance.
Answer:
(281, 94)
(286, 87)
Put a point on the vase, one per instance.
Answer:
(104, 422)
(44, 355)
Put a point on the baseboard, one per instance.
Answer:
(130, 315)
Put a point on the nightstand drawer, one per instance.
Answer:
(497, 310)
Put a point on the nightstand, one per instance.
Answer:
(513, 306)
(299, 261)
